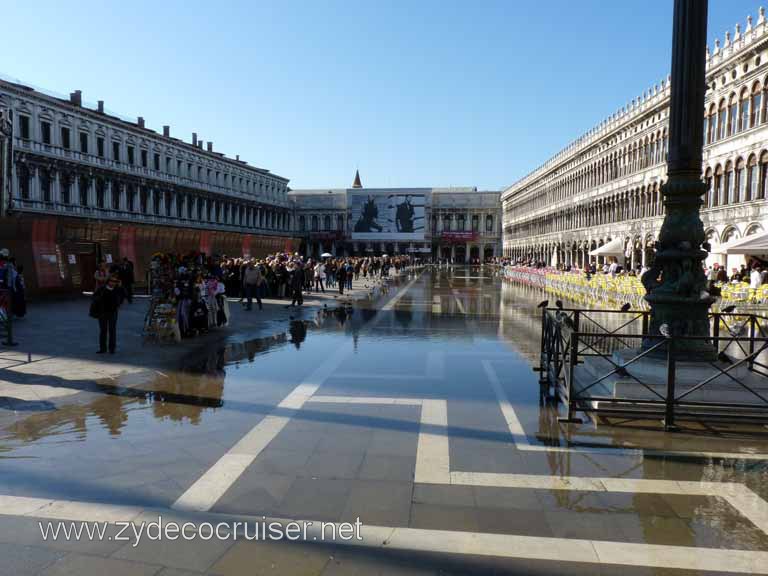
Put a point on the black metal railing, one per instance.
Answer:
(583, 356)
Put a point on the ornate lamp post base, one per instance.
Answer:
(682, 317)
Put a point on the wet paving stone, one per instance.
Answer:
(393, 416)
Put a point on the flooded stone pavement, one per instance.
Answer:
(417, 414)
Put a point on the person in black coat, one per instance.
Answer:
(297, 283)
(106, 302)
(341, 277)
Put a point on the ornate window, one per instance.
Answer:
(763, 175)
(751, 187)
(45, 185)
(732, 119)
(23, 173)
(721, 116)
(727, 197)
(717, 189)
(83, 189)
(326, 222)
(708, 193)
(741, 180)
(66, 186)
(755, 106)
(115, 195)
(744, 110)
(711, 124)
(100, 188)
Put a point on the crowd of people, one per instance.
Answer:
(190, 293)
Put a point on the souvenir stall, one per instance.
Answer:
(161, 322)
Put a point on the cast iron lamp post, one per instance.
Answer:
(676, 285)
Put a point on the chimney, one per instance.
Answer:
(237, 157)
(167, 131)
(76, 97)
(141, 122)
(194, 138)
(101, 106)
(210, 146)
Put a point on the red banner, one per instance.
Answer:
(44, 253)
(458, 236)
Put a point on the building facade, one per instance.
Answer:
(605, 186)
(459, 224)
(84, 185)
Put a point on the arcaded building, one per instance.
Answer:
(456, 224)
(603, 189)
(81, 185)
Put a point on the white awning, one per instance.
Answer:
(752, 244)
(613, 248)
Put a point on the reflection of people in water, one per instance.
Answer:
(404, 216)
(367, 221)
(298, 332)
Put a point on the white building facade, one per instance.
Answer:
(461, 224)
(605, 186)
(84, 185)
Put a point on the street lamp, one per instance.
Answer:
(676, 285)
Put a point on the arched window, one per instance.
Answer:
(302, 223)
(744, 110)
(754, 107)
(751, 188)
(721, 117)
(664, 143)
(711, 124)
(717, 188)
(732, 105)
(727, 196)
(741, 181)
(708, 193)
(315, 223)
(763, 175)
(764, 102)
(326, 222)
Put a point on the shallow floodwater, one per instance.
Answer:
(459, 336)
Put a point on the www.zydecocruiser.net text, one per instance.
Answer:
(159, 529)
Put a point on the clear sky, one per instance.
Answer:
(411, 92)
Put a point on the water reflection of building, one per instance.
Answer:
(604, 188)
(462, 224)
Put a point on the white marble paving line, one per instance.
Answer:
(522, 442)
(432, 451)
(401, 292)
(366, 400)
(505, 546)
(212, 485)
(739, 496)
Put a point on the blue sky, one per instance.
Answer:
(411, 92)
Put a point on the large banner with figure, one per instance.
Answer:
(387, 215)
